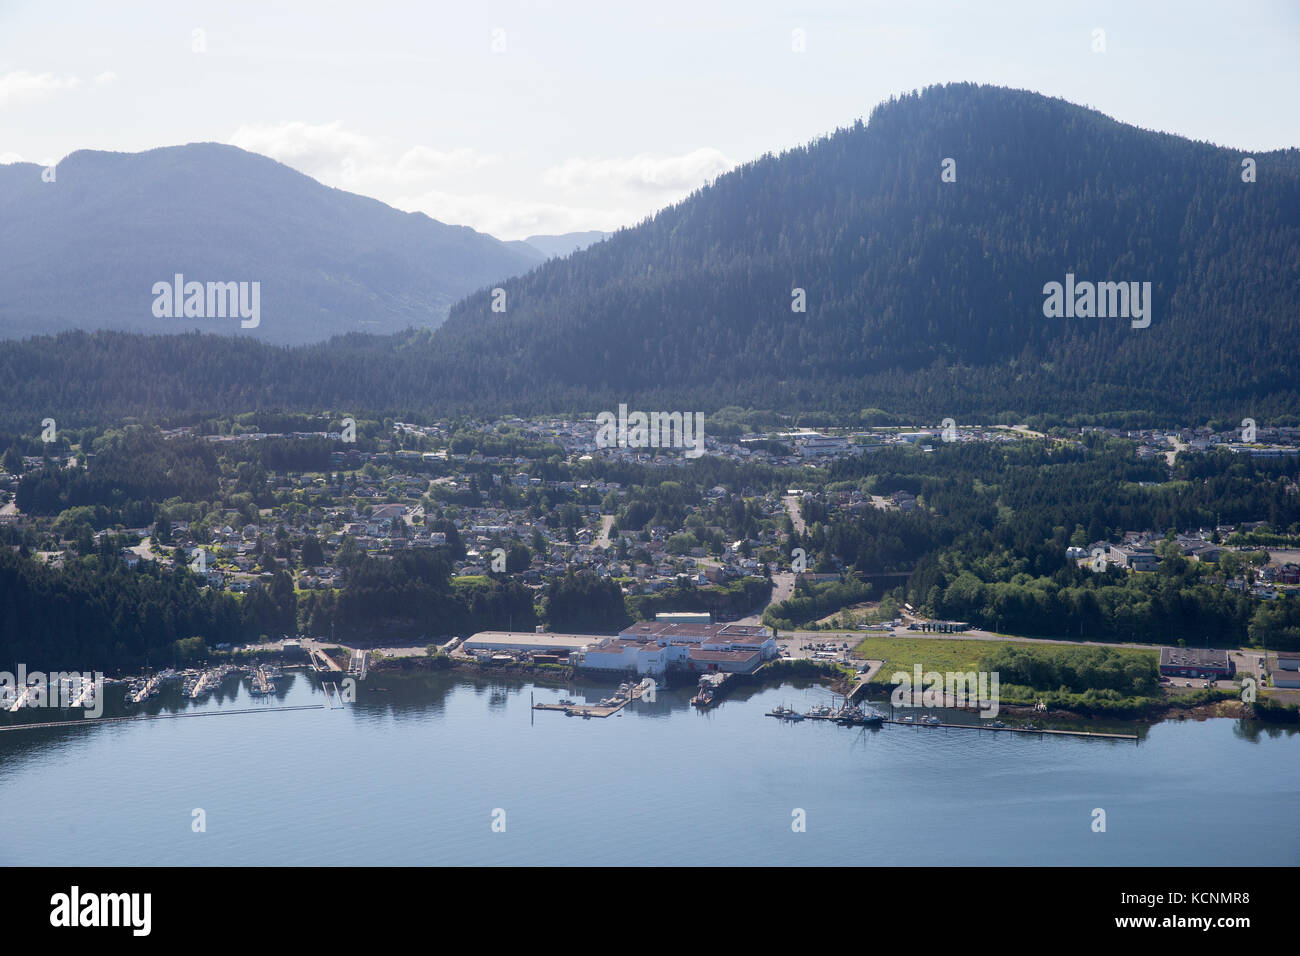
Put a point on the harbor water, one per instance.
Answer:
(444, 769)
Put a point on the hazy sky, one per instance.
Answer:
(592, 115)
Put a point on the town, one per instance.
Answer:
(527, 540)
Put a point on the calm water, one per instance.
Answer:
(412, 775)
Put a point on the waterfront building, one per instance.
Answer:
(1207, 664)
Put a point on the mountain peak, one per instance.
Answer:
(87, 248)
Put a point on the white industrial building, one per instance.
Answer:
(532, 642)
(652, 647)
(647, 648)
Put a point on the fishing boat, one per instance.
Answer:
(931, 720)
(852, 716)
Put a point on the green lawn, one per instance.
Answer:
(937, 654)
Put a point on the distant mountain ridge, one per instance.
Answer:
(566, 243)
(85, 250)
(919, 296)
(903, 276)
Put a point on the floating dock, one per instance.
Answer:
(152, 686)
(21, 702)
(599, 710)
(1018, 730)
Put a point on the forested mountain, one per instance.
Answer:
(907, 277)
(85, 250)
(924, 298)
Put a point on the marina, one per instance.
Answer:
(140, 691)
(847, 715)
(851, 715)
(197, 687)
(483, 753)
(608, 706)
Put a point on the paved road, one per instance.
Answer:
(1178, 446)
(782, 588)
(606, 522)
(796, 514)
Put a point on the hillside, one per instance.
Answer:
(85, 250)
(923, 298)
(907, 277)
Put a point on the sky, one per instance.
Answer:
(544, 116)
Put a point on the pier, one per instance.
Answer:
(859, 684)
(208, 680)
(151, 688)
(21, 702)
(358, 664)
(87, 695)
(1040, 731)
(323, 664)
(599, 710)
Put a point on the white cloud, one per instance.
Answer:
(108, 76)
(9, 158)
(465, 187)
(340, 157)
(509, 218)
(23, 87)
(317, 150)
(669, 174)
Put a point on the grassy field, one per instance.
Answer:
(937, 654)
